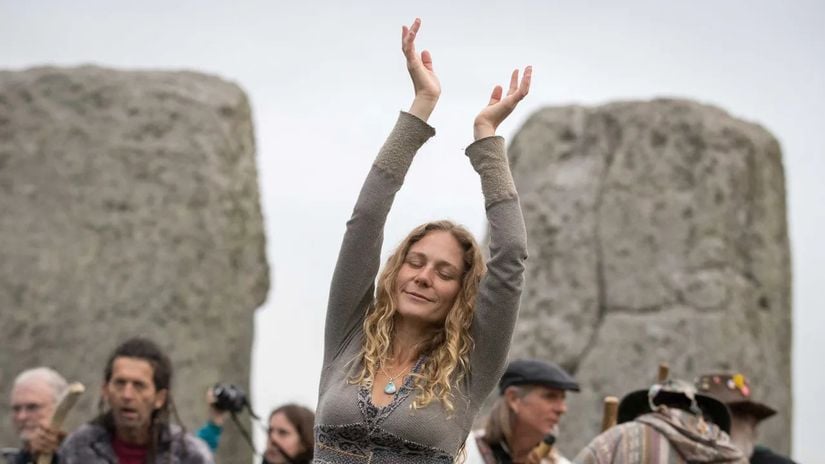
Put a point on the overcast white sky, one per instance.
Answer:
(327, 78)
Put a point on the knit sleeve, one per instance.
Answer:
(353, 281)
(499, 293)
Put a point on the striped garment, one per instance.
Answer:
(667, 436)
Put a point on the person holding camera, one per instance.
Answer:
(219, 408)
(290, 437)
(408, 361)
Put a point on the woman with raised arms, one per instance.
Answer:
(409, 359)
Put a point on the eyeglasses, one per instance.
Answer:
(29, 408)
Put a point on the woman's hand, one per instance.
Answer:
(498, 108)
(426, 85)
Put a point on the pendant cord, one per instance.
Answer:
(392, 377)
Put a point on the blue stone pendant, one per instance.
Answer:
(390, 388)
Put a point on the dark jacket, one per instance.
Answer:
(21, 456)
(92, 444)
(762, 455)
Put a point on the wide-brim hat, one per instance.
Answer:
(537, 372)
(734, 390)
(674, 394)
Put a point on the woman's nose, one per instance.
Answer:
(424, 276)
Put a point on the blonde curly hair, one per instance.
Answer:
(448, 349)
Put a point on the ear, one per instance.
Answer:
(511, 397)
(104, 393)
(160, 398)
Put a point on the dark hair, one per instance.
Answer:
(147, 350)
(303, 420)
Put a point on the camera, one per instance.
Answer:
(228, 397)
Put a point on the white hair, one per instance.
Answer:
(56, 383)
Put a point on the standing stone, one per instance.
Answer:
(128, 206)
(657, 232)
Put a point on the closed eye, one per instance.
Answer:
(446, 275)
(415, 260)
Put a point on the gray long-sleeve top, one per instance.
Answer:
(349, 428)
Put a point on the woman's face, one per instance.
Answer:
(430, 278)
(283, 434)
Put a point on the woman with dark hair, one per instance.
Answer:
(409, 360)
(290, 438)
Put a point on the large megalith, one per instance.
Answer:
(129, 206)
(657, 232)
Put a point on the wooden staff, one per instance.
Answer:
(664, 372)
(610, 413)
(545, 447)
(66, 404)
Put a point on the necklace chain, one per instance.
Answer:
(392, 377)
(390, 388)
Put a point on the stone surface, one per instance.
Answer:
(657, 232)
(128, 206)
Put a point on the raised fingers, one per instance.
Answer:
(408, 38)
(427, 59)
(513, 82)
(495, 97)
(524, 86)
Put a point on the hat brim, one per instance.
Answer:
(758, 410)
(566, 386)
(636, 403)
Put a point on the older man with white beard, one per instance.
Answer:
(34, 398)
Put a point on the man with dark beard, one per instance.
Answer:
(134, 424)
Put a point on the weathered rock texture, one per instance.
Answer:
(128, 206)
(657, 233)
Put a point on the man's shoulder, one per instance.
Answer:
(193, 451)
(89, 444)
(86, 434)
(763, 455)
(603, 447)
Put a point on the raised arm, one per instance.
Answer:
(498, 108)
(500, 290)
(353, 282)
(425, 82)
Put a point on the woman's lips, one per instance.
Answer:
(418, 296)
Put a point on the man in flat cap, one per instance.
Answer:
(734, 390)
(532, 399)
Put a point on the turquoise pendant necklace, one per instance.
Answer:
(390, 388)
